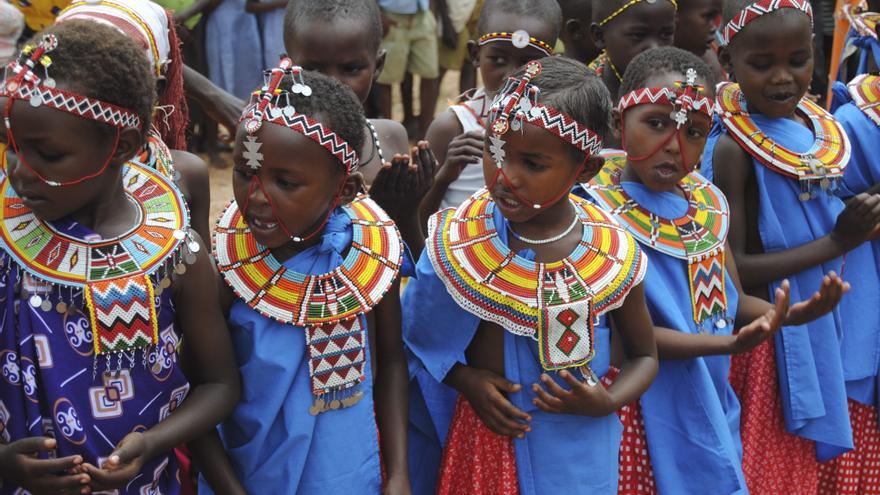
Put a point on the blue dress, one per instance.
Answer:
(234, 49)
(275, 445)
(808, 360)
(48, 387)
(562, 454)
(272, 36)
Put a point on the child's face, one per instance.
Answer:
(337, 49)
(61, 147)
(772, 60)
(299, 180)
(498, 60)
(647, 126)
(695, 24)
(639, 28)
(539, 165)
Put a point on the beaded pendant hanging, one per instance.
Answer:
(157, 156)
(115, 275)
(696, 237)
(554, 303)
(328, 305)
(865, 92)
(821, 166)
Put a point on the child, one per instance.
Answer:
(575, 34)
(512, 289)
(512, 33)
(692, 290)
(340, 39)
(696, 24)
(101, 268)
(626, 28)
(775, 171)
(307, 259)
(149, 25)
(861, 40)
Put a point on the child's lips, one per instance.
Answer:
(666, 170)
(264, 225)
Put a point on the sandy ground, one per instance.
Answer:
(221, 178)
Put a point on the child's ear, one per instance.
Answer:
(353, 186)
(598, 35)
(380, 63)
(575, 29)
(473, 50)
(130, 143)
(591, 167)
(616, 123)
(725, 60)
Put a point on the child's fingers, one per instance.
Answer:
(546, 407)
(39, 467)
(549, 400)
(573, 382)
(554, 387)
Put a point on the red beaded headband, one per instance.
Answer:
(757, 9)
(273, 105)
(22, 83)
(519, 39)
(686, 98)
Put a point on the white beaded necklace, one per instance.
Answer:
(548, 240)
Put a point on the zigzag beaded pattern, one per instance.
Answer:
(354, 288)
(757, 9)
(81, 106)
(489, 280)
(665, 96)
(831, 148)
(565, 127)
(706, 276)
(57, 258)
(702, 229)
(865, 92)
(313, 130)
(123, 313)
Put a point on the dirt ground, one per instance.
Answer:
(221, 178)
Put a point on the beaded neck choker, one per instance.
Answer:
(756, 10)
(520, 39)
(822, 165)
(696, 237)
(865, 92)
(553, 303)
(328, 305)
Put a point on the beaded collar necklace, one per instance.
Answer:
(328, 305)
(865, 92)
(553, 303)
(696, 237)
(822, 165)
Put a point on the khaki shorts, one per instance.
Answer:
(453, 59)
(411, 46)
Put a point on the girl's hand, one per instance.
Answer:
(397, 485)
(583, 399)
(20, 467)
(123, 464)
(830, 292)
(464, 149)
(400, 185)
(485, 392)
(858, 222)
(765, 326)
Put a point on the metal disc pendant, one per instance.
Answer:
(36, 301)
(180, 269)
(165, 283)
(189, 258)
(46, 306)
(194, 246)
(36, 100)
(61, 307)
(721, 324)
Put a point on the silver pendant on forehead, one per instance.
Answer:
(520, 38)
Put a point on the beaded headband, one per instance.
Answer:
(519, 39)
(23, 83)
(141, 20)
(756, 10)
(273, 105)
(518, 102)
(629, 4)
(687, 97)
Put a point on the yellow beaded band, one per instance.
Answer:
(628, 5)
(519, 39)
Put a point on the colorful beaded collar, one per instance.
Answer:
(865, 92)
(554, 303)
(157, 155)
(862, 22)
(763, 7)
(697, 237)
(113, 274)
(823, 164)
(327, 305)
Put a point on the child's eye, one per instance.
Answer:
(695, 132)
(656, 123)
(285, 184)
(498, 61)
(667, 34)
(353, 69)
(637, 36)
(49, 156)
(799, 62)
(535, 167)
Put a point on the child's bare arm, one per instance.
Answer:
(390, 392)
(214, 377)
(854, 225)
(452, 159)
(218, 104)
(211, 460)
(197, 7)
(194, 173)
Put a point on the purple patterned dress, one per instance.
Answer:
(51, 385)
